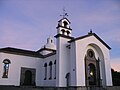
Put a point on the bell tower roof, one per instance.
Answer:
(64, 23)
(63, 27)
(65, 18)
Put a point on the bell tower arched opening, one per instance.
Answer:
(65, 24)
(63, 27)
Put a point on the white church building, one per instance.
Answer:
(81, 61)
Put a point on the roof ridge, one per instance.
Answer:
(88, 35)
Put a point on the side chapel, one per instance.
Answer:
(81, 61)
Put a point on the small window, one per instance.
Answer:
(6, 68)
(51, 41)
(90, 53)
(50, 64)
(55, 69)
(45, 66)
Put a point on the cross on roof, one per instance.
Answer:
(64, 13)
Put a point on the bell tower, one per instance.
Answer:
(63, 52)
(64, 25)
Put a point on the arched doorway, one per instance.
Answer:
(28, 78)
(67, 79)
(92, 69)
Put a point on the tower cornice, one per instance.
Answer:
(64, 18)
(64, 36)
(62, 27)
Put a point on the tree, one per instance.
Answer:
(115, 78)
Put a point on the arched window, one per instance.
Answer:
(63, 31)
(51, 41)
(50, 64)
(90, 53)
(55, 69)
(68, 33)
(67, 79)
(6, 67)
(65, 24)
(45, 66)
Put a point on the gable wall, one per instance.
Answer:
(80, 55)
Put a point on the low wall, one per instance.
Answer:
(113, 88)
(57, 88)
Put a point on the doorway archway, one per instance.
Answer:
(92, 69)
(28, 78)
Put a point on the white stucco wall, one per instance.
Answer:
(63, 61)
(67, 61)
(49, 82)
(73, 64)
(18, 61)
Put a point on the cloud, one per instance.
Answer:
(115, 64)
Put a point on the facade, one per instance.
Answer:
(81, 61)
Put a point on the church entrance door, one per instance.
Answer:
(92, 69)
(28, 78)
(92, 74)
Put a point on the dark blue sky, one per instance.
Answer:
(27, 24)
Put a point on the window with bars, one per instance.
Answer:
(6, 68)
